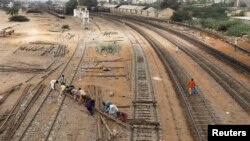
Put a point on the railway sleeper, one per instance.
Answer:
(145, 123)
(148, 127)
(145, 101)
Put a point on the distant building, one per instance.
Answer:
(10, 4)
(143, 1)
(129, 1)
(236, 2)
(59, 1)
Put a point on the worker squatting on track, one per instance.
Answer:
(112, 109)
(53, 83)
(83, 98)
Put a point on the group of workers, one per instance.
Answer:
(83, 98)
(80, 96)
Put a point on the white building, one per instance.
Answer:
(59, 1)
(10, 5)
(143, 1)
(103, 0)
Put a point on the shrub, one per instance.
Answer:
(239, 30)
(180, 16)
(109, 49)
(193, 22)
(19, 19)
(65, 26)
(225, 25)
(239, 14)
(219, 25)
(208, 23)
(215, 12)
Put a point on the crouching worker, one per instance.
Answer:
(89, 105)
(112, 109)
(86, 98)
(69, 88)
(106, 104)
(81, 96)
(62, 90)
(122, 116)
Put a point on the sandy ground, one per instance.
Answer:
(74, 120)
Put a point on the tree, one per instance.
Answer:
(170, 3)
(12, 11)
(102, 2)
(70, 6)
(49, 2)
(88, 3)
(180, 16)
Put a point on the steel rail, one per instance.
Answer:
(64, 97)
(47, 95)
(172, 75)
(230, 84)
(234, 63)
(178, 87)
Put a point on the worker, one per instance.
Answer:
(191, 85)
(69, 88)
(86, 98)
(73, 91)
(53, 83)
(81, 95)
(176, 49)
(106, 104)
(63, 87)
(122, 116)
(75, 94)
(89, 105)
(62, 80)
(112, 109)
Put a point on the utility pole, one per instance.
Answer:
(238, 2)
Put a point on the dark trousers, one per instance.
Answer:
(90, 109)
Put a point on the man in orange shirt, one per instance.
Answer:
(191, 85)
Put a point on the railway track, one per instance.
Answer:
(197, 112)
(50, 105)
(211, 33)
(19, 111)
(155, 20)
(238, 91)
(145, 124)
(237, 65)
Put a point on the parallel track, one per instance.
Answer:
(238, 91)
(239, 66)
(67, 71)
(198, 112)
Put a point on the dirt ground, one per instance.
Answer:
(74, 121)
